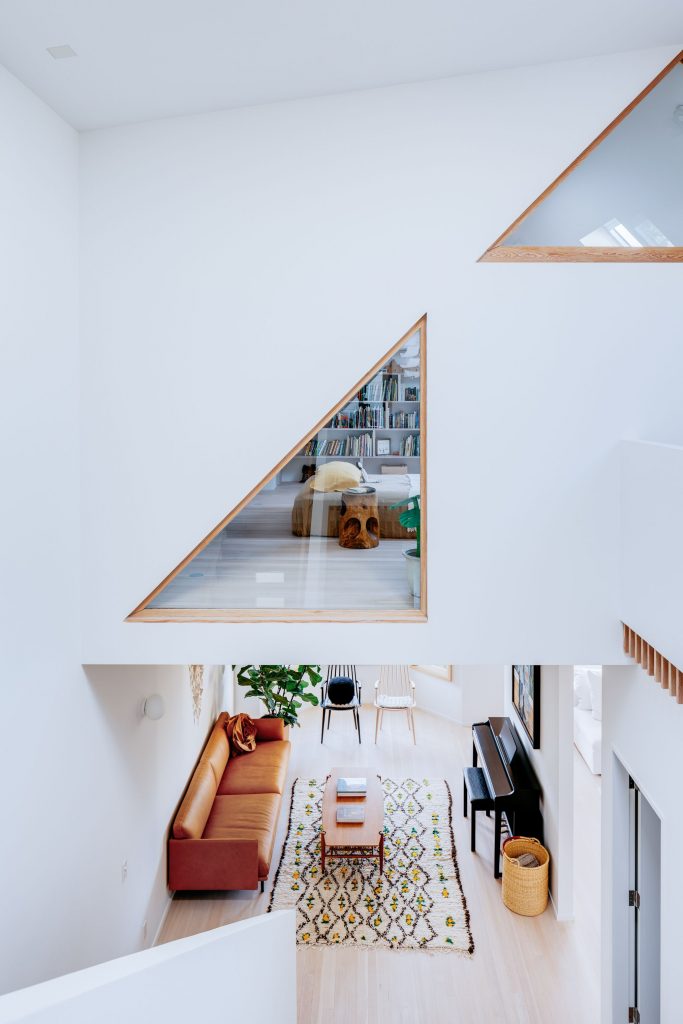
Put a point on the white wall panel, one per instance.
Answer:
(186, 979)
(240, 270)
(641, 730)
(651, 545)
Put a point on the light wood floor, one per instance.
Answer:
(523, 969)
(256, 562)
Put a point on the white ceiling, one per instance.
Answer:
(142, 59)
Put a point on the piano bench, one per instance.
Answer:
(475, 788)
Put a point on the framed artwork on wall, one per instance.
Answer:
(383, 446)
(526, 698)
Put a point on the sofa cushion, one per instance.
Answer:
(246, 817)
(262, 771)
(217, 750)
(270, 729)
(196, 807)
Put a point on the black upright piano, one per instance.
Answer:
(512, 784)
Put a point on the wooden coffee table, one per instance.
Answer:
(351, 841)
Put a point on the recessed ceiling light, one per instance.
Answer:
(60, 52)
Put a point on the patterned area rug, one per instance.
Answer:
(418, 902)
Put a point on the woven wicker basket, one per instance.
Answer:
(525, 890)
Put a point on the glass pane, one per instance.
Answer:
(325, 532)
(628, 192)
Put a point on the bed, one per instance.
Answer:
(588, 739)
(316, 513)
(588, 715)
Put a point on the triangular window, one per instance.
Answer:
(621, 199)
(327, 534)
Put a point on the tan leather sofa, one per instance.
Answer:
(224, 831)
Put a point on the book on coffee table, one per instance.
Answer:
(351, 787)
(351, 814)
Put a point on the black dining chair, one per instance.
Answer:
(340, 692)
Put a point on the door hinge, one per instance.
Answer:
(633, 1015)
(634, 900)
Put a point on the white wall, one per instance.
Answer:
(98, 788)
(483, 690)
(87, 782)
(651, 551)
(39, 521)
(438, 696)
(641, 725)
(474, 693)
(191, 979)
(146, 766)
(553, 763)
(229, 259)
(367, 674)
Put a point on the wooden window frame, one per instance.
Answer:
(142, 613)
(499, 253)
(446, 675)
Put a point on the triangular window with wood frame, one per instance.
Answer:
(621, 200)
(337, 530)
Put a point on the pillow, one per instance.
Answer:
(241, 734)
(335, 476)
(341, 690)
(595, 683)
(582, 690)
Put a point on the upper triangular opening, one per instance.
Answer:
(324, 535)
(622, 198)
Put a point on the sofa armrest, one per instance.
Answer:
(270, 729)
(212, 864)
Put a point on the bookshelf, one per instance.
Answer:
(387, 409)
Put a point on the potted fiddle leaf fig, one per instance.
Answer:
(410, 519)
(282, 688)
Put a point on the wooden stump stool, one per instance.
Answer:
(359, 519)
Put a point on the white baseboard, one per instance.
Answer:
(162, 921)
(559, 917)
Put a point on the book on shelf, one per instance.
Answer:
(410, 445)
(404, 420)
(365, 415)
(372, 391)
(347, 786)
(383, 388)
(357, 446)
(351, 814)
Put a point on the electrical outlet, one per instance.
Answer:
(124, 871)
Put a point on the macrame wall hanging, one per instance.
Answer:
(197, 686)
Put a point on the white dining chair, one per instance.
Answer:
(394, 691)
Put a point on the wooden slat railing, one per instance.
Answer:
(655, 664)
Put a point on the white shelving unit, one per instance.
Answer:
(395, 435)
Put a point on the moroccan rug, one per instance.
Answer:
(418, 902)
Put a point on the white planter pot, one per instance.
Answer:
(413, 567)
